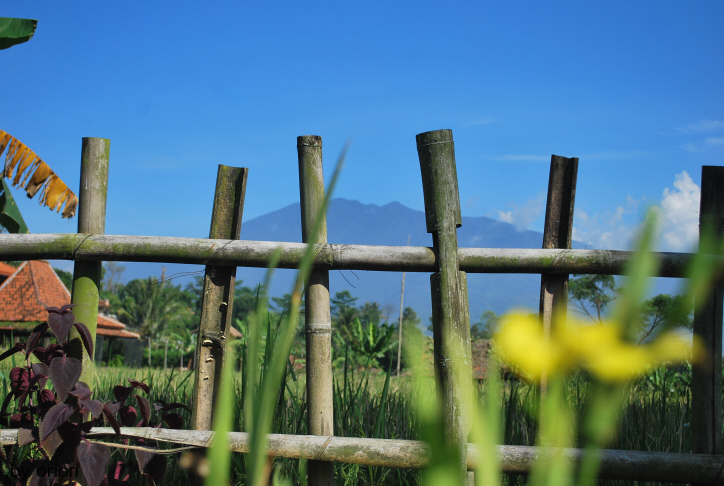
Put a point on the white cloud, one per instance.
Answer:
(697, 130)
(607, 231)
(522, 217)
(616, 229)
(690, 147)
(703, 126)
(680, 214)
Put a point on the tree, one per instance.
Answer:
(409, 318)
(673, 311)
(370, 312)
(594, 292)
(486, 326)
(283, 305)
(411, 332)
(112, 276)
(245, 299)
(343, 310)
(153, 307)
(65, 277)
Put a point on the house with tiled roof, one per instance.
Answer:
(32, 287)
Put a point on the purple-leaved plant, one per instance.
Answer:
(56, 424)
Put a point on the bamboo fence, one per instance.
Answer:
(243, 253)
(447, 263)
(668, 467)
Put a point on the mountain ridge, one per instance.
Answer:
(353, 222)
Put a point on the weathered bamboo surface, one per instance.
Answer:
(317, 317)
(246, 253)
(669, 467)
(450, 317)
(217, 299)
(706, 377)
(92, 198)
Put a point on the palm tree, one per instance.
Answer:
(152, 306)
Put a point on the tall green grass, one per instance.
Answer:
(655, 416)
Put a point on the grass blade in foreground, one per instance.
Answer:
(219, 453)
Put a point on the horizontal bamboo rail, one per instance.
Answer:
(669, 467)
(244, 253)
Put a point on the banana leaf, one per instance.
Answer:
(37, 174)
(16, 31)
(10, 216)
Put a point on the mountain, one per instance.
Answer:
(351, 222)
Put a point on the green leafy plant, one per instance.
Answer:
(16, 31)
(367, 342)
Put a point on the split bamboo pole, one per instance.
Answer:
(557, 231)
(218, 296)
(451, 334)
(92, 196)
(667, 467)
(318, 320)
(244, 253)
(706, 379)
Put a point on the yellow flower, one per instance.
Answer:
(672, 347)
(621, 362)
(520, 340)
(600, 348)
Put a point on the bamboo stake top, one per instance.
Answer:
(94, 160)
(558, 228)
(437, 164)
(311, 185)
(309, 141)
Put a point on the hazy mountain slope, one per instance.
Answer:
(351, 222)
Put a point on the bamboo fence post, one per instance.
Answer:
(557, 232)
(218, 295)
(92, 196)
(451, 332)
(318, 320)
(706, 380)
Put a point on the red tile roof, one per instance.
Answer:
(109, 327)
(6, 270)
(35, 286)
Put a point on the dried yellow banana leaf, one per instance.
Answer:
(38, 175)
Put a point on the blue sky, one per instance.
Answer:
(632, 89)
